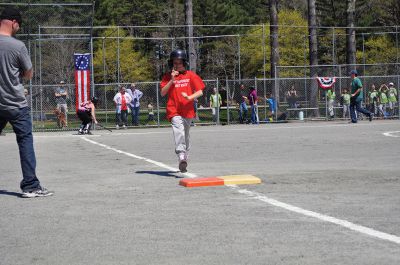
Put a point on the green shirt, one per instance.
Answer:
(214, 102)
(355, 85)
(383, 98)
(392, 94)
(346, 99)
(331, 94)
(373, 95)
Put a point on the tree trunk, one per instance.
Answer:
(273, 20)
(351, 35)
(189, 34)
(313, 48)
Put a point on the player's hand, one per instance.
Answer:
(185, 95)
(174, 74)
(95, 122)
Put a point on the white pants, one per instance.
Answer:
(180, 128)
(346, 110)
(330, 107)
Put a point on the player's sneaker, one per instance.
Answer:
(182, 162)
(117, 127)
(42, 192)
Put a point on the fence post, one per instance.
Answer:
(276, 87)
(40, 77)
(227, 102)
(158, 104)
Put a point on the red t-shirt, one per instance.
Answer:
(123, 102)
(177, 105)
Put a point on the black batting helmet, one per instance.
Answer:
(177, 54)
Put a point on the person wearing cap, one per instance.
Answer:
(392, 97)
(61, 94)
(15, 64)
(182, 87)
(356, 98)
(134, 105)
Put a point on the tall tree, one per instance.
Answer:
(189, 34)
(351, 34)
(313, 48)
(273, 20)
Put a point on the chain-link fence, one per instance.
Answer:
(228, 57)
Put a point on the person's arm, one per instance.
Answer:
(195, 95)
(128, 99)
(140, 94)
(115, 99)
(27, 75)
(93, 113)
(166, 88)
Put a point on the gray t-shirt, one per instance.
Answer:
(14, 60)
(61, 99)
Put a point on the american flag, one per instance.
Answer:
(82, 78)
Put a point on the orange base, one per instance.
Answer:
(201, 182)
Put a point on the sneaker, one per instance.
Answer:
(371, 116)
(182, 163)
(124, 126)
(117, 126)
(42, 192)
(80, 132)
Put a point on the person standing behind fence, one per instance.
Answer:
(331, 96)
(61, 94)
(136, 95)
(392, 97)
(373, 100)
(346, 103)
(242, 105)
(253, 103)
(292, 97)
(16, 64)
(383, 100)
(150, 110)
(182, 87)
(215, 104)
(356, 98)
(122, 100)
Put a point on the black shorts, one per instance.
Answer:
(84, 116)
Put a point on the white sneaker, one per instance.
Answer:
(124, 126)
(117, 126)
(182, 162)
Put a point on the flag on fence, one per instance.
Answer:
(82, 78)
(326, 82)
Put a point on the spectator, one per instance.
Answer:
(122, 100)
(150, 110)
(392, 97)
(383, 100)
(272, 105)
(215, 104)
(292, 97)
(356, 98)
(373, 100)
(61, 94)
(253, 103)
(136, 95)
(331, 96)
(346, 103)
(15, 65)
(243, 105)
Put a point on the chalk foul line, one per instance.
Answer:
(258, 196)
